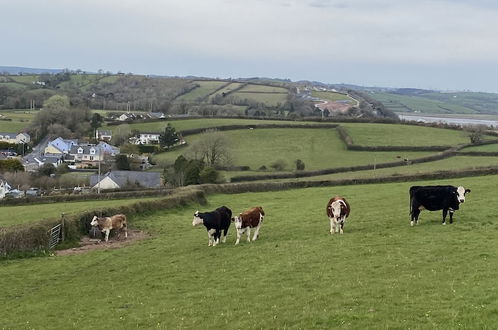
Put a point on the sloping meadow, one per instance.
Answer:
(381, 273)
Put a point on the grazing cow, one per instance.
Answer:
(215, 222)
(252, 218)
(106, 224)
(433, 198)
(337, 210)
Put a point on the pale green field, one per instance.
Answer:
(206, 88)
(226, 89)
(252, 88)
(332, 96)
(21, 119)
(318, 148)
(13, 215)
(380, 274)
(269, 99)
(403, 135)
(485, 148)
(181, 125)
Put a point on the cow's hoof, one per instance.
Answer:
(444, 223)
(412, 223)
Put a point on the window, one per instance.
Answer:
(80, 150)
(92, 151)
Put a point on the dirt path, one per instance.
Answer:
(87, 244)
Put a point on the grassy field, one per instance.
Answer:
(181, 125)
(403, 135)
(410, 103)
(252, 88)
(20, 120)
(318, 148)
(485, 148)
(205, 88)
(226, 89)
(12, 215)
(380, 274)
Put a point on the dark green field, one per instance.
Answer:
(381, 273)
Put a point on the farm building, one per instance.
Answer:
(124, 179)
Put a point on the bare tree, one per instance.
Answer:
(213, 148)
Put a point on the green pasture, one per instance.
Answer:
(317, 148)
(409, 103)
(20, 120)
(380, 274)
(206, 87)
(252, 88)
(449, 164)
(403, 135)
(180, 125)
(29, 79)
(333, 96)
(13, 215)
(269, 99)
(484, 148)
(13, 85)
(227, 89)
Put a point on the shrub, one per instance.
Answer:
(299, 165)
(279, 165)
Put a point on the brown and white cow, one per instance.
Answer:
(252, 218)
(106, 224)
(337, 210)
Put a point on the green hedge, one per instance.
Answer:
(256, 126)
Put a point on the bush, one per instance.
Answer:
(279, 165)
(299, 165)
(209, 175)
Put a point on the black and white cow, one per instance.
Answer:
(433, 198)
(215, 222)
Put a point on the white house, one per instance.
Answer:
(147, 138)
(15, 138)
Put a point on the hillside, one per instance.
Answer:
(434, 102)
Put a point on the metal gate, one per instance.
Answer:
(55, 236)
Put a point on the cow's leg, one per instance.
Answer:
(126, 232)
(256, 232)
(107, 231)
(415, 214)
(217, 235)
(224, 238)
(341, 230)
(332, 226)
(445, 212)
(239, 233)
(451, 216)
(210, 236)
(248, 234)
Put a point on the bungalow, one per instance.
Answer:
(14, 138)
(103, 135)
(60, 146)
(55, 160)
(124, 179)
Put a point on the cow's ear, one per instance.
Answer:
(467, 190)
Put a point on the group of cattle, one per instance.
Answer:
(218, 221)
(432, 198)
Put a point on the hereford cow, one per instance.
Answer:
(252, 218)
(337, 210)
(433, 198)
(106, 224)
(215, 222)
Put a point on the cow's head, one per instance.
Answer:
(197, 219)
(461, 191)
(95, 221)
(335, 208)
(237, 221)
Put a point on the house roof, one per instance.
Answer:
(122, 178)
(9, 135)
(86, 149)
(104, 132)
(62, 145)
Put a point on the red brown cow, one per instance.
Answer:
(252, 218)
(337, 210)
(106, 224)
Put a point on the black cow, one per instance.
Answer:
(215, 222)
(433, 198)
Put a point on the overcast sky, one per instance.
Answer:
(438, 44)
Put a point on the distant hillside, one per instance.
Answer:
(436, 102)
(23, 70)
